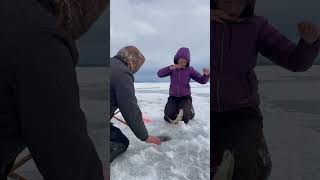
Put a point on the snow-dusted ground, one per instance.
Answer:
(291, 109)
(185, 157)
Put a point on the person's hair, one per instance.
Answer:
(132, 57)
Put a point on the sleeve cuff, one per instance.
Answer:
(315, 44)
(145, 137)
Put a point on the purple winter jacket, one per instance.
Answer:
(234, 50)
(180, 78)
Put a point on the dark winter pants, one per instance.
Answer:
(173, 106)
(118, 142)
(240, 132)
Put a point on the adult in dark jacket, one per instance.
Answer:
(237, 36)
(122, 96)
(39, 94)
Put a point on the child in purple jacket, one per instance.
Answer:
(179, 106)
(237, 36)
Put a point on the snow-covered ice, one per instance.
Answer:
(184, 157)
(291, 109)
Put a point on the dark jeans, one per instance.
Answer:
(240, 131)
(173, 106)
(118, 142)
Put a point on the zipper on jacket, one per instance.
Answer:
(220, 69)
(179, 84)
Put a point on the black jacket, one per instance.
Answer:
(39, 95)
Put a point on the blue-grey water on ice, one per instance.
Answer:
(291, 109)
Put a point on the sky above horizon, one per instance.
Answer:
(159, 29)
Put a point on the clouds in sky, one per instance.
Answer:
(159, 29)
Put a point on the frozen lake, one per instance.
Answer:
(291, 109)
(185, 157)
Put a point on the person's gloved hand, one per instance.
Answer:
(176, 66)
(309, 32)
(206, 71)
(153, 140)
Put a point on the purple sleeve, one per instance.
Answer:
(166, 71)
(202, 79)
(283, 52)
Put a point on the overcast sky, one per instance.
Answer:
(159, 28)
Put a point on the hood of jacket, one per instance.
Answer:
(248, 11)
(182, 53)
(75, 17)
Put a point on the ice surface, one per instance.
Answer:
(184, 157)
(291, 109)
